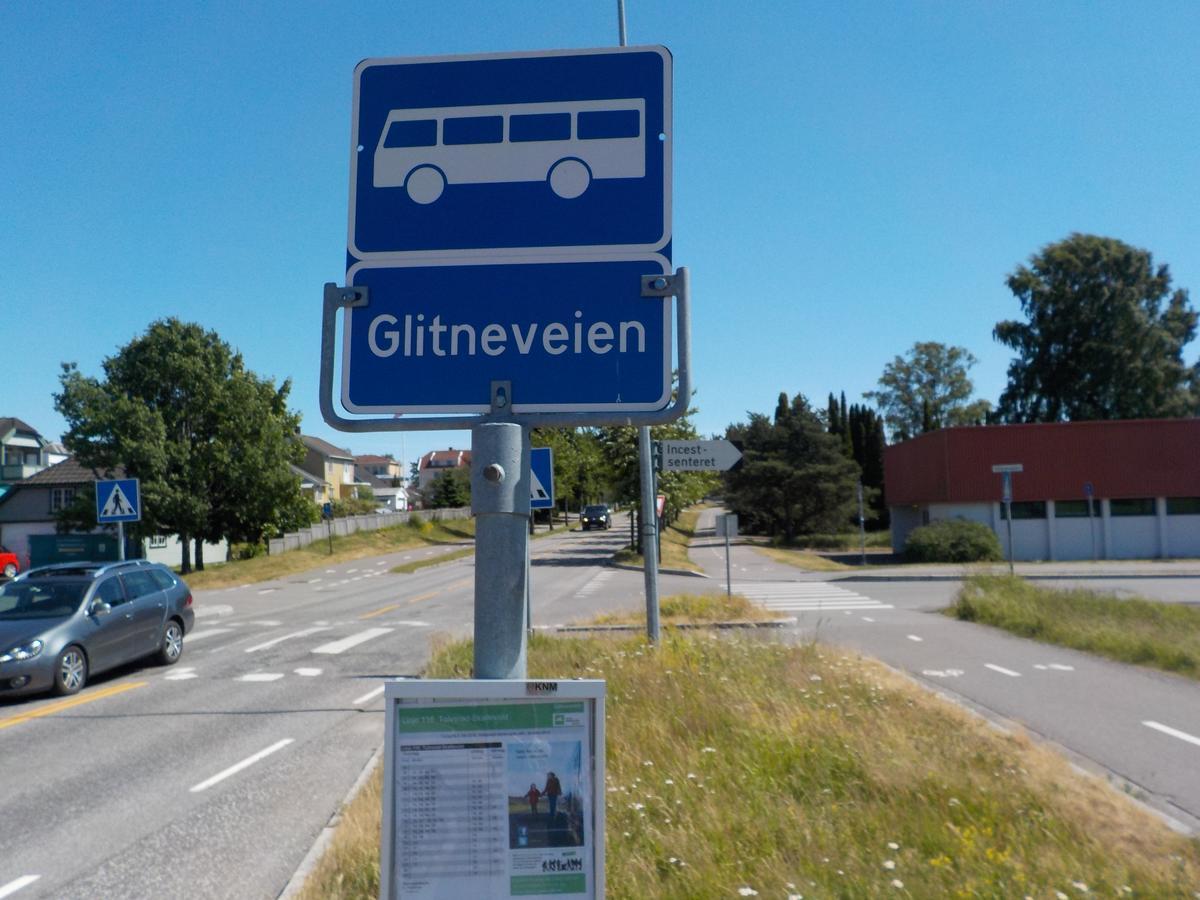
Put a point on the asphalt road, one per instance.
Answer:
(212, 778)
(1137, 725)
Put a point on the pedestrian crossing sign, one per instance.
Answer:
(541, 478)
(118, 500)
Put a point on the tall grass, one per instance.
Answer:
(1161, 635)
(674, 544)
(739, 767)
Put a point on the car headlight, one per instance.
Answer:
(23, 652)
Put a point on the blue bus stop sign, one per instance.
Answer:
(564, 149)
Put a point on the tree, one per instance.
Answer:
(928, 389)
(451, 488)
(795, 477)
(1104, 337)
(210, 440)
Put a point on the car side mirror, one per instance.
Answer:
(100, 608)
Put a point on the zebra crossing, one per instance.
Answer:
(595, 584)
(805, 596)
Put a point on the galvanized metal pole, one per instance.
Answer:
(728, 575)
(649, 542)
(862, 524)
(500, 502)
(621, 21)
(121, 541)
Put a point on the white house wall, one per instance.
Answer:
(1183, 535)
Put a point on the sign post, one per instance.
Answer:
(1088, 491)
(118, 500)
(1005, 470)
(727, 526)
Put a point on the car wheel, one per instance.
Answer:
(10, 571)
(170, 648)
(70, 671)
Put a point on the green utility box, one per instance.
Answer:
(58, 548)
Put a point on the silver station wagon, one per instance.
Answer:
(60, 624)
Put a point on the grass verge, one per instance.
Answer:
(739, 766)
(1160, 635)
(674, 544)
(801, 559)
(847, 541)
(417, 564)
(316, 554)
(695, 609)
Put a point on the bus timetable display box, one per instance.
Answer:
(493, 789)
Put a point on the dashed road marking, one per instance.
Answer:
(370, 695)
(237, 767)
(261, 676)
(917, 638)
(15, 885)
(1173, 732)
(181, 675)
(308, 673)
(805, 596)
(353, 641)
(1003, 671)
(211, 632)
(287, 637)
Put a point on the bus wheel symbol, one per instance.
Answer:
(569, 178)
(425, 184)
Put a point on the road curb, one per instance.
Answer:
(629, 568)
(321, 844)
(770, 623)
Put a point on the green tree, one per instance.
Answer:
(209, 440)
(451, 488)
(1103, 339)
(795, 477)
(926, 389)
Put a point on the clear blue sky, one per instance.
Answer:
(849, 178)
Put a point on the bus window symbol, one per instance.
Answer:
(567, 144)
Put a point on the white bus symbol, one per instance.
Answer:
(566, 143)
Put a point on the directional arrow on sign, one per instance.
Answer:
(698, 456)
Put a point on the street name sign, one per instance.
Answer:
(503, 210)
(698, 456)
(541, 478)
(118, 500)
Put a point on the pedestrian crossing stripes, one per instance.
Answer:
(805, 596)
(595, 584)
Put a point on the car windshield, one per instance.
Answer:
(595, 510)
(41, 599)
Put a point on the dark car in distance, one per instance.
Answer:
(595, 517)
(60, 624)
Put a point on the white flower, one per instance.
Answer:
(646, 762)
(814, 677)
(1080, 886)
(672, 860)
(1059, 895)
(795, 897)
(709, 750)
(747, 892)
(892, 845)
(889, 864)
(637, 806)
(897, 883)
(669, 781)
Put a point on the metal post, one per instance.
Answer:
(862, 524)
(728, 574)
(1092, 528)
(500, 502)
(121, 541)
(1008, 516)
(649, 536)
(621, 21)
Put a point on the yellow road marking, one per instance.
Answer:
(70, 702)
(420, 597)
(380, 612)
(417, 599)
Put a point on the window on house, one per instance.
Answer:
(1074, 509)
(1183, 506)
(1141, 506)
(61, 498)
(1025, 509)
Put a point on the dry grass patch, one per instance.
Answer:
(674, 545)
(737, 764)
(802, 559)
(695, 609)
(316, 555)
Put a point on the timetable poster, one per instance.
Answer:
(493, 799)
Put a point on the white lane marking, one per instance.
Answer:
(330, 571)
(1040, 666)
(368, 696)
(348, 571)
(268, 590)
(308, 673)
(295, 634)
(201, 635)
(314, 580)
(261, 676)
(412, 623)
(181, 675)
(13, 886)
(1003, 671)
(1173, 732)
(1061, 668)
(237, 767)
(867, 619)
(266, 623)
(212, 609)
(913, 637)
(942, 673)
(807, 596)
(353, 641)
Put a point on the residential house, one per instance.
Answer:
(435, 462)
(30, 509)
(23, 452)
(330, 465)
(384, 475)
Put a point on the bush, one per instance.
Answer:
(953, 540)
